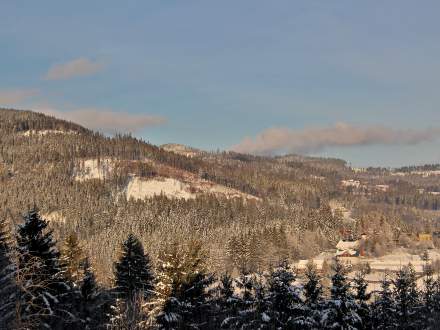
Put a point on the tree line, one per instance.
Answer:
(43, 288)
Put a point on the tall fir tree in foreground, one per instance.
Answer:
(407, 298)
(361, 296)
(313, 297)
(227, 303)
(46, 298)
(340, 311)
(282, 298)
(183, 284)
(8, 287)
(384, 307)
(94, 301)
(133, 270)
(134, 284)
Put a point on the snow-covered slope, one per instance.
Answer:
(180, 149)
(47, 132)
(94, 169)
(139, 188)
(176, 184)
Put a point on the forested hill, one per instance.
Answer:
(248, 211)
(13, 121)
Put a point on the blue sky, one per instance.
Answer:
(211, 73)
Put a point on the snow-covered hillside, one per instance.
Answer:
(179, 184)
(94, 169)
(139, 188)
(47, 132)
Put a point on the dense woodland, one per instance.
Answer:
(209, 236)
(41, 288)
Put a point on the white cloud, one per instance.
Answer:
(279, 140)
(13, 96)
(75, 68)
(107, 121)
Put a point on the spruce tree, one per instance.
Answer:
(282, 298)
(313, 287)
(313, 297)
(384, 307)
(362, 297)
(407, 297)
(430, 306)
(227, 302)
(8, 287)
(246, 283)
(133, 272)
(93, 300)
(46, 297)
(188, 304)
(340, 311)
(134, 283)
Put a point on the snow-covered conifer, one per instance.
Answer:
(46, 298)
(340, 312)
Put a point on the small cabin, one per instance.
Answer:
(424, 237)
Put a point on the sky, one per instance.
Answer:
(356, 80)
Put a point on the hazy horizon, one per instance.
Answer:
(347, 80)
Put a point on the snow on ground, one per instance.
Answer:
(390, 264)
(209, 187)
(139, 188)
(399, 258)
(184, 185)
(94, 169)
(180, 149)
(54, 216)
(46, 132)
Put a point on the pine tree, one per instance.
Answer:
(134, 283)
(247, 301)
(72, 257)
(94, 301)
(384, 307)
(133, 272)
(313, 287)
(183, 285)
(282, 298)
(46, 298)
(313, 298)
(407, 297)
(362, 297)
(341, 310)
(7, 280)
(428, 294)
(227, 303)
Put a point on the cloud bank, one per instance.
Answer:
(280, 140)
(14, 96)
(108, 121)
(75, 68)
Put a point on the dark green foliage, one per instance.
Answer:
(183, 285)
(282, 299)
(133, 273)
(340, 312)
(407, 298)
(46, 298)
(384, 307)
(94, 301)
(362, 297)
(313, 287)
